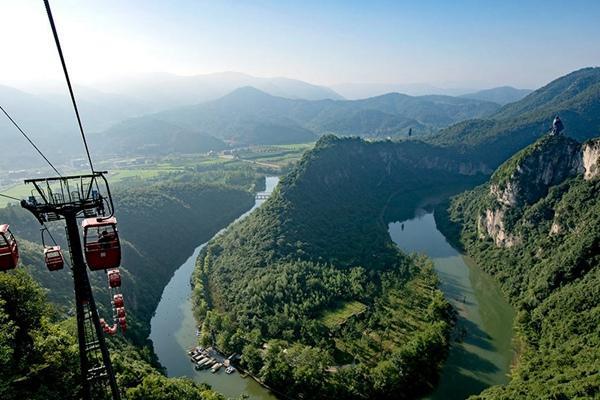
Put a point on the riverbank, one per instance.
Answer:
(173, 330)
(484, 351)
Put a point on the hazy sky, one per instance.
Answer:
(447, 43)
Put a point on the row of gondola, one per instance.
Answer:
(100, 241)
(102, 251)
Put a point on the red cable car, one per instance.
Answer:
(9, 250)
(101, 243)
(53, 258)
(111, 330)
(114, 278)
(118, 301)
(121, 312)
(123, 324)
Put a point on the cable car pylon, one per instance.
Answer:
(70, 198)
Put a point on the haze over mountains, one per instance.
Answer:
(232, 109)
(250, 116)
(164, 90)
(501, 95)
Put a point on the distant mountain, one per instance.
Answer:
(163, 91)
(47, 124)
(48, 118)
(575, 97)
(148, 136)
(99, 110)
(501, 95)
(251, 116)
(354, 91)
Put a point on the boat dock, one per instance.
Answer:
(210, 358)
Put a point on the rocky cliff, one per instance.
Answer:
(536, 228)
(591, 159)
(526, 178)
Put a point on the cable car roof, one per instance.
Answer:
(3, 228)
(93, 222)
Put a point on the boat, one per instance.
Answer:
(209, 362)
(230, 370)
(203, 361)
(216, 367)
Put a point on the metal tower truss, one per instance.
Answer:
(69, 198)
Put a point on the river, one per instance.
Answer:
(482, 358)
(485, 318)
(173, 331)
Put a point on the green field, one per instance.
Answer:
(336, 317)
(402, 312)
(22, 191)
(268, 158)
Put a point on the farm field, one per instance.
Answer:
(271, 159)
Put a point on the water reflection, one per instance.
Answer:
(482, 351)
(173, 331)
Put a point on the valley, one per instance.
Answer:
(318, 287)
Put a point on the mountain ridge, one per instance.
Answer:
(250, 116)
(501, 94)
(575, 97)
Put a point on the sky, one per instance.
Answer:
(462, 43)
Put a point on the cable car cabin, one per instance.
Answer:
(118, 301)
(54, 258)
(110, 330)
(114, 278)
(121, 312)
(101, 243)
(9, 251)
(123, 324)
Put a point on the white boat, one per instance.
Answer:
(201, 361)
(230, 370)
(216, 367)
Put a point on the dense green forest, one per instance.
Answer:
(311, 289)
(39, 357)
(160, 223)
(536, 228)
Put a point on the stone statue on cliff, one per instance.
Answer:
(557, 126)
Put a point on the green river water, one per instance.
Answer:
(481, 354)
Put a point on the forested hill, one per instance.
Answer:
(575, 97)
(356, 179)
(39, 358)
(147, 136)
(314, 275)
(160, 224)
(535, 226)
